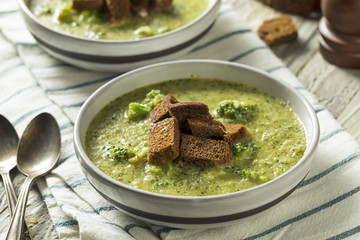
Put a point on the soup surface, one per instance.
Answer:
(93, 24)
(277, 141)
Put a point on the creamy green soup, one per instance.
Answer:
(93, 24)
(277, 140)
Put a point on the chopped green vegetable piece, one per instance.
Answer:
(153, 98)
(144, 31)
(119, 154)
(137, 110)
(67, 14)
(243, 151)
(164, 29)
(234, 110)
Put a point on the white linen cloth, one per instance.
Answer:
(64, 205)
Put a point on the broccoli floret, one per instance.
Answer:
(235, 110)
(243, 151)
(137, 110)
(119, 154)
(153, 98)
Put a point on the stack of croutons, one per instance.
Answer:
(185, 133)
(119, 9)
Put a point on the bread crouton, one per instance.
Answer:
(236, 133)
(162, 4)
(87, 4)
(206, 127)
(203, 152)
(119, 10)
(278, 30)
(164, 139)
(184, 110)
(161, 111)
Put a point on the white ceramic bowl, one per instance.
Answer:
(195, 212)
(120, 55)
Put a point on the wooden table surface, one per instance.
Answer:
(338, 89)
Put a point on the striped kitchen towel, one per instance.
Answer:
(63, 205)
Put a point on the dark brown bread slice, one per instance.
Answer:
(278, 30)
(162, 4)
(119, 10)
(184, 110)
(161, 111)
(304, 7)
(203, 152)
(236, 133)
(164, 140)
(87, 4)
(206, 127)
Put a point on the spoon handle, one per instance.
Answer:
(10, 193)
(17, 222)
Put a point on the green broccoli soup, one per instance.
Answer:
(99, 24)
(117, 139)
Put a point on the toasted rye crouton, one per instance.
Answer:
(278, 30)
(162, 4)
(87, 4)
(164, 139)
(161, 111)
(206, 127)
(236, 133)
(203, 152)
(119, 10)
(184, 110)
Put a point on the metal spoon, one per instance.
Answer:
(38, 152)
(8, 146)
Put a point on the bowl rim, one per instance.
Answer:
(309, 152)
(212, 4)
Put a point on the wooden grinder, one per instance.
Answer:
(340, 32)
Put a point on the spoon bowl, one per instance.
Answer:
(8, 147)
(38, 152)
(39, 146)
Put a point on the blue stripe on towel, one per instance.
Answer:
(75, 105)
(236, 58)
(131, 226)
(47, 196)
(346, 234)
(225, 11)
(66, 125)
(329, 170)
(66, 224)
(69, 186)
(320, 109)
(274, 69)
(306, 214)
(26, 44)
(165, 230)
(330, 135)
(300, 88)
(220, 38)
